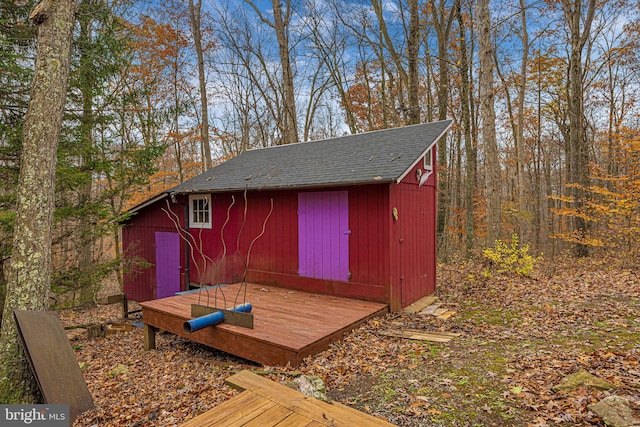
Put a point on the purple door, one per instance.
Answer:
(167, 264)
(323, 235)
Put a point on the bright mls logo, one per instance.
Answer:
(35, 415)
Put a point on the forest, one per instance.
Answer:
(543, 95)
(105, 104)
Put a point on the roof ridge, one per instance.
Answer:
(347, 136)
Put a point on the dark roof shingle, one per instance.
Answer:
(379, 156)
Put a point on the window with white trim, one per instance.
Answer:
(428, 160)
(200, 211)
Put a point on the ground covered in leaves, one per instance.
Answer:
(519, 337)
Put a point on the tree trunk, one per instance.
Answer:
(519, 137)
(195, 15)
(280, 24)
(488, 114)
(29, 270)
(442, 24)
(578, 155)
(470, 149)
(413, 47)
(84, 245)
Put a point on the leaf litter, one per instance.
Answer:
(519, 338)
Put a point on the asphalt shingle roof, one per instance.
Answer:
(379, 156)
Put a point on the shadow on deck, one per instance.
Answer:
(288, 325)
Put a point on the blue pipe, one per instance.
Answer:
(203, 321)
(243, 308)
(212, 318)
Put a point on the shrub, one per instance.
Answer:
(513, 258)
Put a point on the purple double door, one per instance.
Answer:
(323, 235)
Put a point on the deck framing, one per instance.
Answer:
(288, 325)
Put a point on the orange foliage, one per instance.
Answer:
(612, 202)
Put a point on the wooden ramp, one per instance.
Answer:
(288, 325)
(264, 403)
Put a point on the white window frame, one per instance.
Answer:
(205, 209)
(427, 160)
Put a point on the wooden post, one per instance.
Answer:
(149, 337)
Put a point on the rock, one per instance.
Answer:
(616, 411)
(312, 386)
(77, 333)
(582, 378)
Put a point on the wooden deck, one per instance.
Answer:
(288, 325)
(264, 403)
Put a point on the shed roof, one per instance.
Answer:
(372, 157)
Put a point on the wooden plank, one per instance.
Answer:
(246, 405)
(447, 314)
(314, 409)
(421, 304)
(271, 417)
(149, 337)
(231, 317)
(114, 299)
(431, 309)
(421, 335)
(248, 347)
(440, 311)
(53, 361)
(295, 420)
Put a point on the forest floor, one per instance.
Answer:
(519, 337)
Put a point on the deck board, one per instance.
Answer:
(288, 325)
(265, 403)
(227, 412)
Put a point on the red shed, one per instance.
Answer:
(352, 216)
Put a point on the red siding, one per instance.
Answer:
(368, 243)
(413, 239)
(273, 250)
(377, 259)
(138, 242)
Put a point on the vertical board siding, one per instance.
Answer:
(369, 239)
(138, 244)
(323, 235)
(373, 253)
(276, 248)
(214, 251)
(417, 237)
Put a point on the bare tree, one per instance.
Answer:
(329, 43)
(442, 22)
(469, 142)
(413, 75)
(579, 23)
(195, 15)
(488, 114)
(280, 24)
(252, 91)
(30, 267)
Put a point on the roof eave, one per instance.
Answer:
(148, 202)
(429, 147)
(287, 187)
